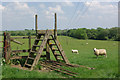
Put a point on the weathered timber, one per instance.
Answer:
(26, 37)
(29, 42)
(16, 41)
(55, 30)
(5, 46)
(53, 68)
(41, 48)
(8, 48)
(18, 57)
(36, 26)
(51, 32)
(59, 48)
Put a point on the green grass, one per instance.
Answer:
(105, 67)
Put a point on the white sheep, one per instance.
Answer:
(75, 51)
(98, 52)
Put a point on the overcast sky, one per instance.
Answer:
(20, 15)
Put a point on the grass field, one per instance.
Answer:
(105, 67)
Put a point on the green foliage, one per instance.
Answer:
(80, 33)
(99, 33)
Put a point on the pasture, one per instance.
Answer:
(104, 67)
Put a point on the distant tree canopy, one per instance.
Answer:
(80, 33)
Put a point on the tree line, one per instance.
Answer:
(80, 33)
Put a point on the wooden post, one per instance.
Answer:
(29, 42)
(55, 30)
(47, 51)
(8, 49)
(5, 46)
(36, 26)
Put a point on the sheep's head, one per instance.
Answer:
(94, 49)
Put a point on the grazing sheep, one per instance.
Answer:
(86, 43)
(98, 52)
(75, 51)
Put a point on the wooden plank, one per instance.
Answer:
(8, 48)
(29, 42)
(18, 57)
(53, 68)
(16, 41)
(36, 26)
(51, 32)
(55, 30)
(25, 37)
(5, 46)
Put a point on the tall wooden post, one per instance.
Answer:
(55, 30)
(5, 46)
(36, 25)
(8, 48)
(29, 42)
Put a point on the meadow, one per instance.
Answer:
(104, 67)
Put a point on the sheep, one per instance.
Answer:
(98, 52)
(86, 43)
(75, 51)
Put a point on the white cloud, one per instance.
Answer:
(98, 8)
(51, 10)
(2, 7)
(18, 14)
(69, 3)
(98, 14)
(19, 8)
(42, 6)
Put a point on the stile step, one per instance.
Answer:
(28, 64)
(56, 54)
(31, 58)
(59, 59)
(36, 45)
(55, 49)
(50, 39)
(52, 44)
(39, 39)
(32, 51)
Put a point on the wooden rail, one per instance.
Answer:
(18, 57)
(58, 69)
(26, 37)
(18, 51)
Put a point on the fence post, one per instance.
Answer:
(5, 46)
(8, 54)
(29, 42)
(55, 30)
(36, 26)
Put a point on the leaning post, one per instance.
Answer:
(55, 30)
(36, 25)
